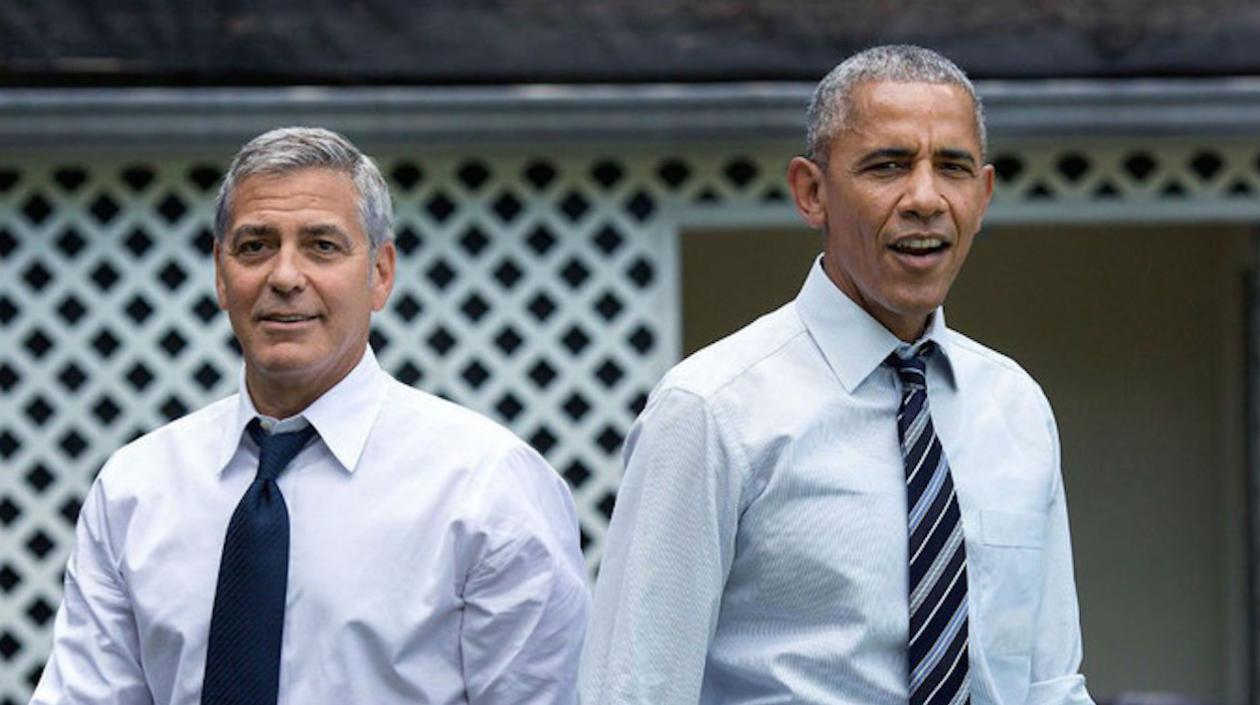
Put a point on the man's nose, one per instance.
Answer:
(286, 270)
(923, 199)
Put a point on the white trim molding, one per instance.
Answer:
(706, 113)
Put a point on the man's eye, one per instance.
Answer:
(250, 247)
(884, 167)
(954, 168)
(325, 246)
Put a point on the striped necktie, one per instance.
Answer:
(939, 671)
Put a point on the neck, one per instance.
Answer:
(907, 328)
(280, 403)
(281, 396)
(907, 331)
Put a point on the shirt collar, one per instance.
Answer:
(343, 415)
(852, 341)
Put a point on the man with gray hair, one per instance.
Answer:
(328, 534)
(846, 502)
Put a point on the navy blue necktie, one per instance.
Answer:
(246, 626)
(939, 671)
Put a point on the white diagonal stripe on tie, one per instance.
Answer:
(945, 678)
(915, 430)
(929, 493)
(927, 537)
(965, 689)
(918, 462)
(942, 643)
(926, 620)
(938, 566)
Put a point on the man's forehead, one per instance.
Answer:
(309, 176)
(908, 111)
(310, 199)
(880, 95)
(319, 189)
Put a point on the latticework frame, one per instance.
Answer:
(538, 288)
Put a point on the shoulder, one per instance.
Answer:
(715, 403)
(500, 489)
(464, 448)
(1003, 387)
(975, 353)
(1001, 378)
(712, 369)
(172, 447)
(410, 414)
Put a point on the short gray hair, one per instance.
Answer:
(290, 149)
(830, 108)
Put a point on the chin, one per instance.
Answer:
(279, 364)
(918, 301)
(918, 310)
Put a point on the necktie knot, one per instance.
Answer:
(911, 365)
(276, 450)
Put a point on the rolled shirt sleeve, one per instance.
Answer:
(1056, 657)
(95, 656)
(525, 597)
(668, 551)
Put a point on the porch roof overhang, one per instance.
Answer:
(141, 118)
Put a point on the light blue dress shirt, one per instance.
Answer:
(757, 552)
(434, 559)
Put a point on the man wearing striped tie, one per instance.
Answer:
(846, 502)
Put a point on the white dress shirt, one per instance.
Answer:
(758, 549)
(434, 559)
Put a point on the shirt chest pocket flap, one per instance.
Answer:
(1009, 565)
(1001, 528)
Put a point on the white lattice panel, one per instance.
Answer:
(537, 288)
(1096, 181)
(531, 289)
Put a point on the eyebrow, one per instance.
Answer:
(886, 153)
(325, 229)
(956, 155)
(271, 231)
(253, 231)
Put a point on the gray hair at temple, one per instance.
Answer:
(832, 103)
(290, 149)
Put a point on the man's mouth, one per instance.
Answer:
(287, 318)
(920, 246)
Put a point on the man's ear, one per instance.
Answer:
(987, 173)
(219, 288)
(383, 274)
(809, 191)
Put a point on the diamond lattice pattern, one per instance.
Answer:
(536, 289)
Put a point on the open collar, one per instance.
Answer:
(343, 415)
(851, 340)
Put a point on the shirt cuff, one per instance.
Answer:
(1067, 690)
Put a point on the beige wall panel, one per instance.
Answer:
(729, 279)
(1135, 334)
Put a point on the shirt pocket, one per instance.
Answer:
(1009, 570)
